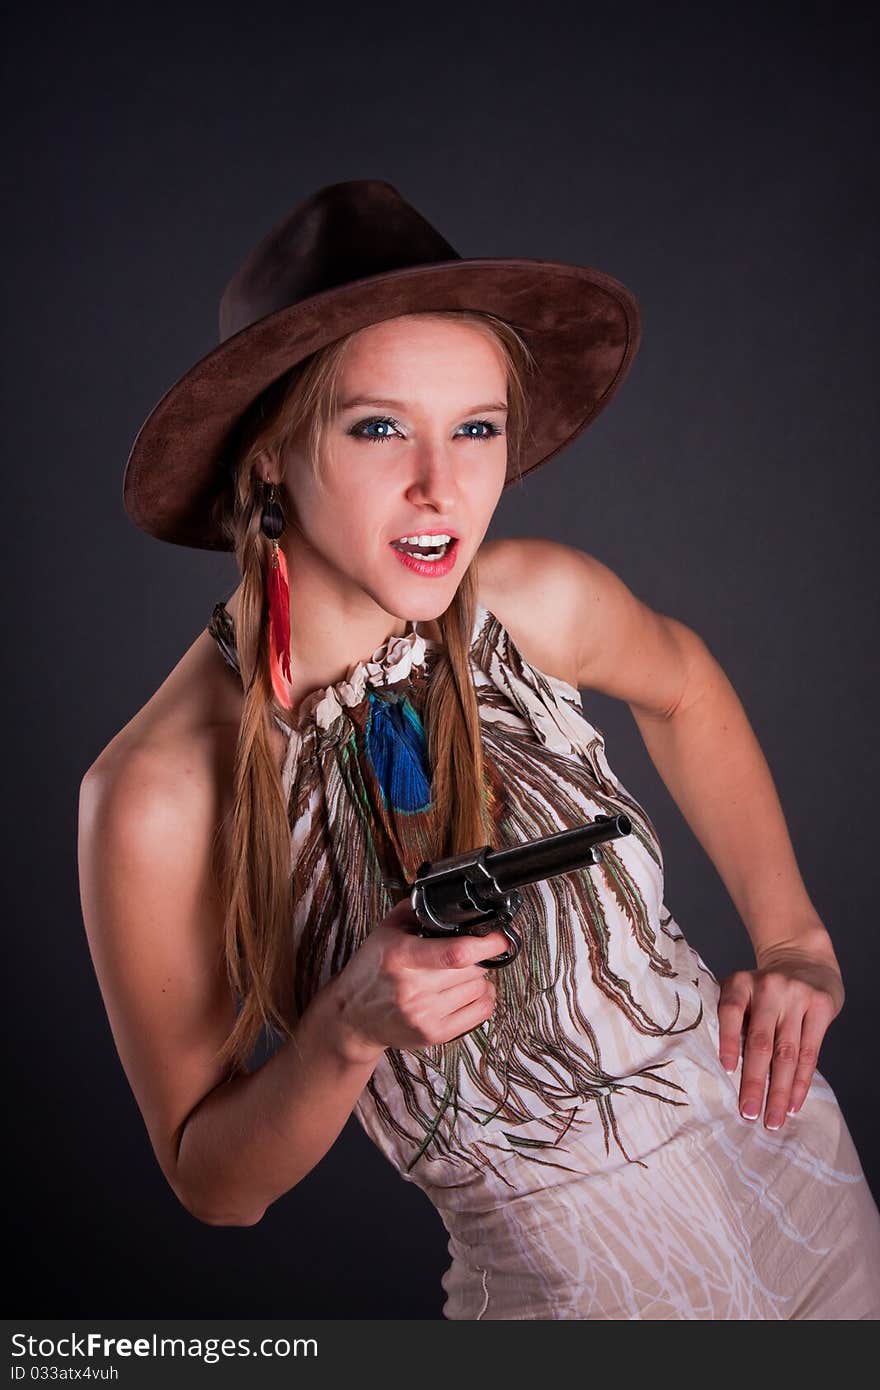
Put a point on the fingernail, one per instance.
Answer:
(750, 1110)
(774, 1119)
(793, 1110)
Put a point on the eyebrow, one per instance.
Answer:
(401, 405)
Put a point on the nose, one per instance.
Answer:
(433, 482)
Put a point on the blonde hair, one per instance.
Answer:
(255, 876)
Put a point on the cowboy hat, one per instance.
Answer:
(351, 255)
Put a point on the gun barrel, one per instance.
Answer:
(557, 854)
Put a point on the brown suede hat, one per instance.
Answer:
(351, 255)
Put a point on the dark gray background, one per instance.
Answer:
(722, 166)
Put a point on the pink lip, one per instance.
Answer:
(430, 568)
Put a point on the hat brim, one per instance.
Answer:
(582, 326)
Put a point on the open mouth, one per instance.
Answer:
(426, 555)
(424, 552)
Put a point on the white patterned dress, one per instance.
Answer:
(584, 1147)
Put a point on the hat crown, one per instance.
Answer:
(343, 232)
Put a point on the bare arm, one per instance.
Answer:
(227, 1147)
(254, 1137)
(709, 758)
(701, 742)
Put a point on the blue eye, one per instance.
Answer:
(494, 431)
(387, 424)
(373, 438)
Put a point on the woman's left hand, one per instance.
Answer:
(781, 1012)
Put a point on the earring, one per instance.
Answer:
(278, 590)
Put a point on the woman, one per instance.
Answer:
(581, 1117)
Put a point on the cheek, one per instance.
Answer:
(487, 486)
(359, 483)
(348, 523)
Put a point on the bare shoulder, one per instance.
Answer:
(526, 583)
(187, 729)
(573, 616)
(179, 747)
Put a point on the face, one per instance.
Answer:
(418, 445)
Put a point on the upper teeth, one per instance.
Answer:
(423, 540)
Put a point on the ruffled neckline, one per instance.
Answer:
(391, 664)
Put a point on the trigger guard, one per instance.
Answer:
(515, 940)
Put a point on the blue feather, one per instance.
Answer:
(398, 751)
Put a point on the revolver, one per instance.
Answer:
(471, 894)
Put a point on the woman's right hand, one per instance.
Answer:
(405, 991)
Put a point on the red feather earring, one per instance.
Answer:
(278, 593)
